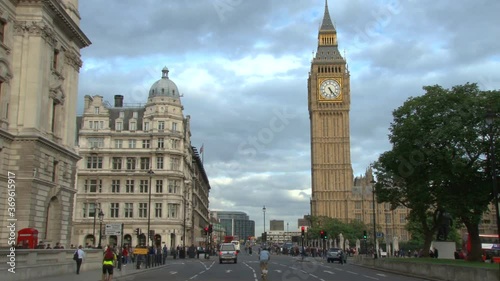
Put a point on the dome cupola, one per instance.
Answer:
(164, 87)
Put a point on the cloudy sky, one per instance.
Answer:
(242, 66)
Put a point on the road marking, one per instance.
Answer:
(370, 277)
(313, 275)
(228, 270)
(173, 272)
(277, 270)
(193, 277)
(327, 271)
(352, 272)
(380, 274)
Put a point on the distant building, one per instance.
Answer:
(236, 223)
(139, 168)
(277, 225)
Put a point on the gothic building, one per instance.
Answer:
(335, 192)
(139, 168)
(40, 44)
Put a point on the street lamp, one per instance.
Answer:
(374, 221)
(101, 217)
(93, 232)
(264, 211)
(183, 251)
(490, 119)
(150, 173)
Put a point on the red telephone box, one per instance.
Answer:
(27, 238)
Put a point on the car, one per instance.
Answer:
(334, 254)
(227, 252)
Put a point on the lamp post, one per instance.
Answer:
(93, 232)
(183, 251)
(374, 221)
(264, 211)
(101, 217)
(150, 173)
(490, 119)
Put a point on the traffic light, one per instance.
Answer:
(303, 229)
(264, 237)
(210, 229)
(325, 235)
(364, 234)
(137, 231)
(205, 230)
(321, 234)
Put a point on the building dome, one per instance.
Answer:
(164, 87)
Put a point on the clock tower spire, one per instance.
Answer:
(329, 104)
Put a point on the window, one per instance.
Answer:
(96, 110)
(129, 210)
(158, 207)
(174, 164)
(115, 186)
(89, 209)
(2, 30)
(159, 162)
(402, 218)
(117, 163)
(161, 142)
(94, 162)
(173, 210)
(122, 114)
(114, 210)
(101, 124)
(173, 186)
(54, 60)
(129, 186)
(388, 218)
(143, 210)
(118, 143)
(146, 144)
(119, 125)
(143, 186)
(131, 143)
(358, 217)
(95, 125)
(133, 126)
(131, 163)
(161, 125)
(174, 126)
(93, 186)
(96, 142)
(146, 126)
(54, 170)
(159, 186)
(144, 163)
(175, 144)
(134, 115)
(357, 205)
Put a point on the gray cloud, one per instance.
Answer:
(239, 63)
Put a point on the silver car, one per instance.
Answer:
(334, 254)
(228, 252)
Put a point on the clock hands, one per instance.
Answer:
(330, 89)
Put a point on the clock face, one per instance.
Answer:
(330, 89)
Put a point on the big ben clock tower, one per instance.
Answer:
(329, 103)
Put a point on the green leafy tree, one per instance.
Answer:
(439, 158)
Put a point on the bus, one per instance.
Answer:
(490, 245)
(236, 245)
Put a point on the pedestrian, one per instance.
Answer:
(80, 254)
(108, 263)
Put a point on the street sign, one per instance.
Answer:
(380, 234)
(113, 229)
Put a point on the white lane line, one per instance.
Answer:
(352, 272)
(370, 277)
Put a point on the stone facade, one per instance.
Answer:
(39, 66)
(138, 167)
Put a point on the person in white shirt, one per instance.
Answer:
(81, 255)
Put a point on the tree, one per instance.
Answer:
(438, 158)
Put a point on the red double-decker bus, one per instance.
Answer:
(490, 245)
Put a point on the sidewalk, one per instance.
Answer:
(96, 275)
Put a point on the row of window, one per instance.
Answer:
(127, 210)
(388, 219)
(132, 125)
(133, 163)
(95, 186)
(132, 143)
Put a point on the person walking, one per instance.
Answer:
(108, 263)
(79, 254)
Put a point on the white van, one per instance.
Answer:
(236, 245)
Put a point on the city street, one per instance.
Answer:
(247, 269)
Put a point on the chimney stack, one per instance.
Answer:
(118, 101)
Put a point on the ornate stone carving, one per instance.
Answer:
(73, 59)
(5, 73)
(35, 28)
